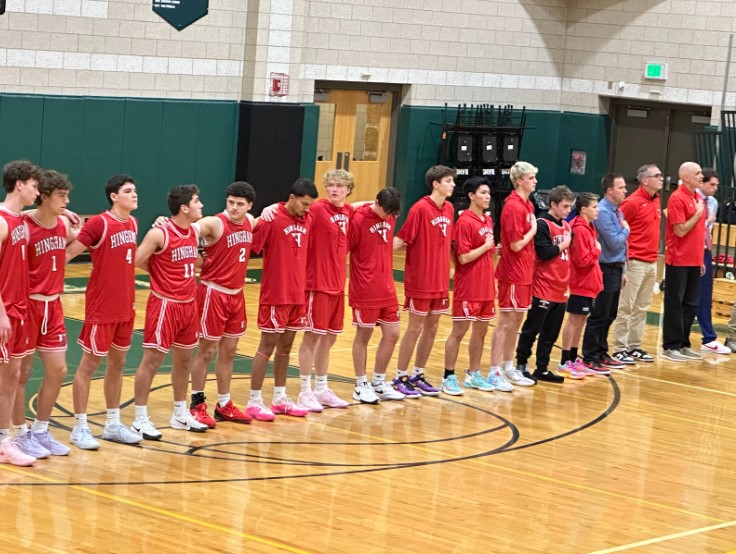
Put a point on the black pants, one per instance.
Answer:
(681, 300)
(544, 319)
(595, 338)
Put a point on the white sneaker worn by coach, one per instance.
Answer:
(716, 347)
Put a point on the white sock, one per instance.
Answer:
(306, 382)
(320, 383)
(379, 378)
(80, 421)
(279, 391)
(417, 371)
(4, 433)
(180, 407)
(141, 413)
(359, 381)
(39, 426)
(223, 399)
(255, 394)
(494, 370)
(508, 365)
(400, 373)
(113, 417)
(20, 430)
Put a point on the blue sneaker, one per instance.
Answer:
(475, 380)
(499, 381)
(451, 386)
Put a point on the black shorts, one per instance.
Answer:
(580, 305)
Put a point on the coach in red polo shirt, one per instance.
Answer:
(684, 235)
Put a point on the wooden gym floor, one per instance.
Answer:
(641, 461)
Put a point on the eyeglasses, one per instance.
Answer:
(656, 176)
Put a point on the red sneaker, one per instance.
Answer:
(231, 413)
(199, 412)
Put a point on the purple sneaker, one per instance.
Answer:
(423, 386)
(405, 387)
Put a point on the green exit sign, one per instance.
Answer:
(656, 71)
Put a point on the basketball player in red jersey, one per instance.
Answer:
(281, 311)
(474, 290)
(372, 293)
(20, 181)
(325, 292)
(427, 234)
(48, 235)
(108, 318)
(227, 240)
(169, 254)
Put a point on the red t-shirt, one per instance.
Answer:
(427, 233)
(110, 295)
(172, 267)
(516, 220)
(371, 260)
(684, 251)
(551, 277)
(283, 242)
(474, 281)
(328, 246)
(586, 277)
(46, 254)
(14, 265)
(644, 216)
(227, 256)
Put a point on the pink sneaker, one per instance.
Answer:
(258, 411)
(307, 399)
(11, 454)
(330, 399)
(571, 370)
(285, 406)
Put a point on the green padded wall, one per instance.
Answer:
(161, 143)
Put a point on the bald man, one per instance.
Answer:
(683, 257)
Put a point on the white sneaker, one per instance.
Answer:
(330, 399)
(51, 444)
(11, 454)
(716, 347)
(497, 379)
(307, 399)
(185, 422)
(386, 391)
(117, 432)
(516, 378)
(28, 444)
(365, 394)
(82, 438)
(146, 429)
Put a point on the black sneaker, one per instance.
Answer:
(547, 376)
(640, 355)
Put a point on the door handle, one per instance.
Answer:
(338, 164)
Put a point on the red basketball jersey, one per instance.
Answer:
(110, 295)
(551, 277)
(371, 260)
(516, 220)
(172, 267)
(427, 233)
(474, 281)
(227, 256)
(283, 242)
(46, 256)
(328, 246)
(14, 265)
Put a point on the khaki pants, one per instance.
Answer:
(636, 297)
(732, 324)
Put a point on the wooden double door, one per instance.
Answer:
(354, 131)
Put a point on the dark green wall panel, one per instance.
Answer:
(309, 139)
(21, 124)
(590, 133)
(214, 170)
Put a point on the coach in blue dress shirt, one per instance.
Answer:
(613, 232)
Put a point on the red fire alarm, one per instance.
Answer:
(279, 84)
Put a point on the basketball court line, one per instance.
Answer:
(665, 538)
(160, 511)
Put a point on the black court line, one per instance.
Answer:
(507, 447)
